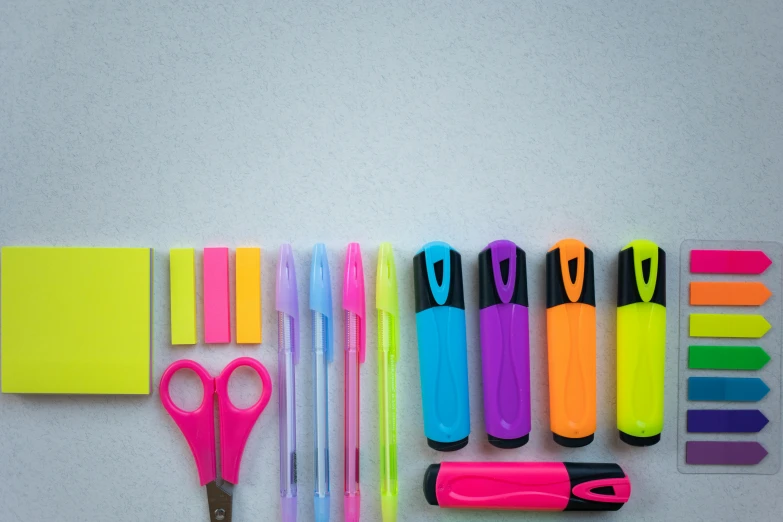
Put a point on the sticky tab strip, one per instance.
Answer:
(217, 321)
(727, 357)
(726, 421)
(706, 293)
(182, 277)
(730, 389)
(749, 262)
(725, 453)
(248, 295)
(728, 325)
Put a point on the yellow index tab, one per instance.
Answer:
(728, 325)
(182, 274)
(76, 320)
(248, 295)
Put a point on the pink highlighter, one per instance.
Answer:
(527, 486)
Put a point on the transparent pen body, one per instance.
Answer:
(286, 404)
(321, 401)
(351, 454)
(387, 400)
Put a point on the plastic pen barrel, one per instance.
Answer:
(527, 486)
(571, 339)
(641, 342)
(505, 344)
(443, 358)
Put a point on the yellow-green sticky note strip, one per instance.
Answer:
(182, 276)
(746, 326)
(76, 320)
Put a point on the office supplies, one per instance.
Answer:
(248, 295)
(442, 343)
(198, 427)
(727, 357)
(723, 293)
(726, 421)
(540, 486)
(76, 320)
(323, 354)
(355, 346)
(641, 342)
(287, 304)
(747, 326)
(731, 389)
(505, 344)
(571, 338)
(748, 262)
(727, 453)
(182, 277)
(217, 322)
(388, 353)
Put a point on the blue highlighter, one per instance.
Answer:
(443, 353)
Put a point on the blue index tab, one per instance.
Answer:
(729, 389)
(321, 294)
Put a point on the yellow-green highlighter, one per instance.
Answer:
(641, 342)
(388, 339)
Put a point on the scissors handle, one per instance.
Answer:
(198, 426)
(236, 423)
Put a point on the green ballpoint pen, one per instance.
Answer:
(388, 338)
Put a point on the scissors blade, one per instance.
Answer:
(219, 499)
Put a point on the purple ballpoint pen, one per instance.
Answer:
(287, 304)
(505, 343)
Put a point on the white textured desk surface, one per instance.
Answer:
(165, 123)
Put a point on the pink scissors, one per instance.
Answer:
(198, 427)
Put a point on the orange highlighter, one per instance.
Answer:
(570, 326)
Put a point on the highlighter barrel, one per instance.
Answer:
(571, 342)
(442, 343)
(641, 342)
(505, 344)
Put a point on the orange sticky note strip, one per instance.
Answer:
(729, 293)
(248, 295)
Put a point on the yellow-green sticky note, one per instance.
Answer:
(182, 277)
(746, 326)
(75, 320)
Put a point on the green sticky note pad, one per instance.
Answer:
(75, 320)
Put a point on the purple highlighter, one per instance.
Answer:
(505, 344)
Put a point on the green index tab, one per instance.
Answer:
(727, 357)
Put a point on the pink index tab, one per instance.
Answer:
(353, 292)
(217, 322)
(749, 262)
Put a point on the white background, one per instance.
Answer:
(170, 123)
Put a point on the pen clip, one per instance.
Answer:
(353, 292)
(286, 298)
(321, 294)
(386, 293)
(620, 488)
(438, 256)
(504, 251)
(645, 252)
(572, 267)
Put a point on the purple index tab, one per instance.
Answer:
(726, 421)
(701, 452)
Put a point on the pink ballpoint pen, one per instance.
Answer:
(353, 304)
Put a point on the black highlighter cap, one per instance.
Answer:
(488, 287)
(447, 446)
(431, 484)
(555, 288)
(571, 442)
(508, 443)
(639, 442)
(579, 473)
(424, 298)
(628, 290)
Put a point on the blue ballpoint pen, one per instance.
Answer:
(287, 304)
(321, 306)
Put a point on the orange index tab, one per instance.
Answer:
(709, 293)
(248, 295)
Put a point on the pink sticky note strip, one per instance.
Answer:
(217, 321)
(729, 262)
